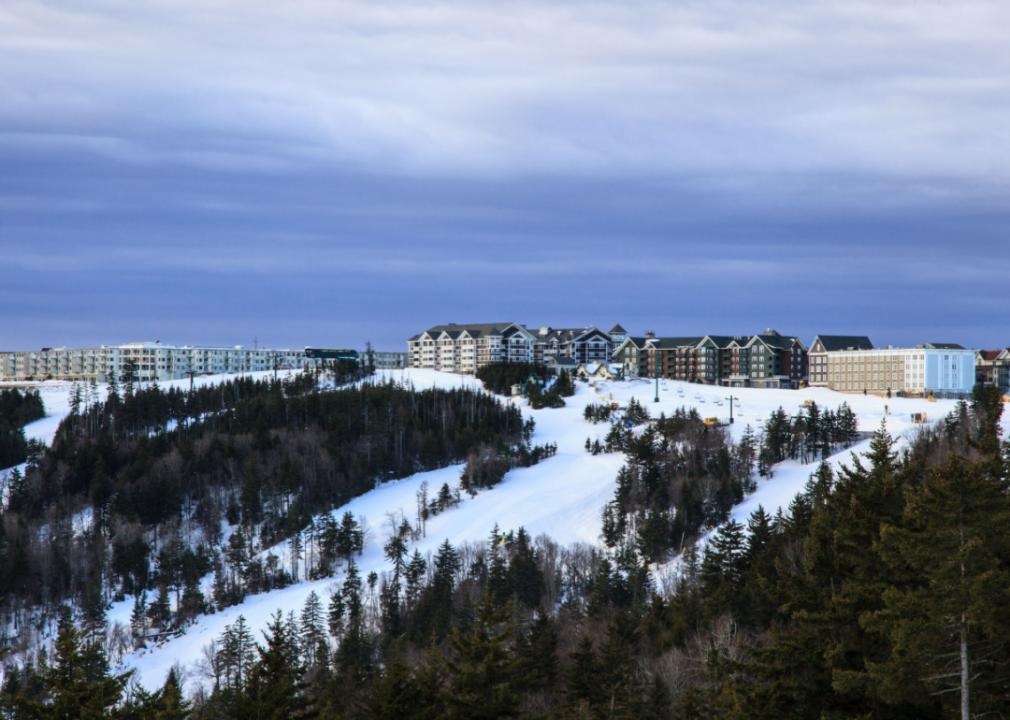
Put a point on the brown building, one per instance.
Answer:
(765, 360)
(992, 367)
(817, 357)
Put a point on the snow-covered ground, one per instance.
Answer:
(561, 497)
(56, 400)
(56, 397)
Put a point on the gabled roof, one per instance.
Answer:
(636, 342)
(774, 340)
(562, 360)
(618, 330)
(563, 335)
(844, 342)
(667, 343)
(592, 331)
(473, 329)
(723, 341)
(560, 334)
(989, 355)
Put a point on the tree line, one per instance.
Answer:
(683, 476)
(146, 493)
(17, 409)
(881, 592)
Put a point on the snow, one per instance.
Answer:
(56, 397)
(56, 401)
(562, 496)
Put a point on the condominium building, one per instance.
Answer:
(466, 347)
(992, 367)
(144, 361)
(817, 357)
(633, 355)
(584, 345)
(765, 360)
(387, 360)
(931, 369)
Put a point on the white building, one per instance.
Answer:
(388, 360)
(464, 348)
(144, 360)
(931, 369)
(467, 347)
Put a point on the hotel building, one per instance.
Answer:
(931, 369)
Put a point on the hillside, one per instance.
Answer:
(562, 497)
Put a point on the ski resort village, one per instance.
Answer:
(525, 491)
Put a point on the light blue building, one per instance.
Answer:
(948, 369)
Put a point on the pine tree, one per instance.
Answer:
(295, 549)
(237, 653)
(78, 685)
(723, 565)
(846, 428)
(538, 661)
(397, 693)
(169, 703)
(414, 573)
(482, 668)
(275, 690)
(953, 547)
(844, 558)
(312, 635)
(524, 576)
(347, 614)
(583, 681)
(138, 620)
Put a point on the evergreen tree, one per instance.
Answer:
(312, 635)
(397, 694)
(169, 703)
(723, 566)
(482, 668)
(943, 623)
(275, 690)
(78, 685)
(583, 682)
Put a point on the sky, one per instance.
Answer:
(330, 173)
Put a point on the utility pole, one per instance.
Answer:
(731, 399)
(191, 374)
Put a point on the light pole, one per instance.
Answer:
(731, 399)
(656, 399)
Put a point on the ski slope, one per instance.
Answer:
(56, 400)
(56, 397)
(561, 497)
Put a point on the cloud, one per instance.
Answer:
(328, 171)
(910, 89)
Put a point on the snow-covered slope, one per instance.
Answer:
(56, 398)
(561, 497)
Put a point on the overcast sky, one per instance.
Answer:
(326, 173)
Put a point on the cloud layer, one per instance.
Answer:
(917, 89)
(794, 161)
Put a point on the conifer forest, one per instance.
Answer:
(881, 592)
